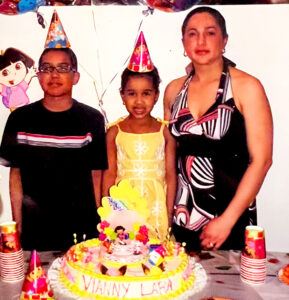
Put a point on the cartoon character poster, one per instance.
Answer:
(16, 71)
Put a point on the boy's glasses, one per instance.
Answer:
(47, 68)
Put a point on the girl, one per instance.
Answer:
(141, 149)
(16, 72)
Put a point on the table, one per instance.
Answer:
(222, 268)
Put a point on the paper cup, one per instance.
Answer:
(253, 257)
(10, 241)
(254, 243)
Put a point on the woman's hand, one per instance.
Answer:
(215, 233)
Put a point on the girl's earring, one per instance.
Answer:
(185, 54)
(224, 50)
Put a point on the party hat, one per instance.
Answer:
(56, 36)
(140, 60)
(35, 285)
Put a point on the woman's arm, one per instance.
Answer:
(252, 102)
(109, 175)
(171, 177)
(16, 196)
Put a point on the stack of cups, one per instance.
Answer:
(253, 257)
(11, 253)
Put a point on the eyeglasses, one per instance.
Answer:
(64, 68)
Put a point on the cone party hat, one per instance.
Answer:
(35, 285)
(56, 36)
(140, 60)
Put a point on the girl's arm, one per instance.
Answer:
(251, 100)
(171, 177)
(109, 175)
(96, 180)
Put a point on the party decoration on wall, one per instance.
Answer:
(16, 71)
(8, 7)
(140, 60)
(15, 7)
(56, 36)
(30, 5)
(35, 285)
(172, 5)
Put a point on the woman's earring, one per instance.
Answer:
(224, 50)
(185, 54)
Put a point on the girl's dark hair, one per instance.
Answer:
(12, 55)
(153, 75)
(68, 51)
(213, 12)
(119, 227)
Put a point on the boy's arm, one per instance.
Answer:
(16, 196)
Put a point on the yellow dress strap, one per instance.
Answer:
(115, 122)
(164, 123)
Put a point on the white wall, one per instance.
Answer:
(103, 38)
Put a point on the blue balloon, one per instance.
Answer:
(29, 5)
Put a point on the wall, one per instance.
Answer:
(103, 38)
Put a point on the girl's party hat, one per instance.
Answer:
(140, 60)
(56, 36)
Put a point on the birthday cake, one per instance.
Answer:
(125, 261)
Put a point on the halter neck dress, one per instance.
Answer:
(212, 158)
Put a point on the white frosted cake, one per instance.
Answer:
(125, 262)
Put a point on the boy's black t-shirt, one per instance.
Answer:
(56, 152)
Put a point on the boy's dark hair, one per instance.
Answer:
(213, 12)
(68, 51)
(153, 75)
(12, 55)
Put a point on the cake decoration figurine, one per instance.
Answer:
(156, 256)
(121, 235)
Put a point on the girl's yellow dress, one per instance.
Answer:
(141, 160)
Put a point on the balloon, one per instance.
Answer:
(8, 7)
(29, 5)
(172, 5)
(14, 7)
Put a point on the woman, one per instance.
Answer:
(221, 119)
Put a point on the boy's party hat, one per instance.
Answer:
(140, 60)
(35, 285)
(56, 36)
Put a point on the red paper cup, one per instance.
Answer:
(10, 241)
(254, 243)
